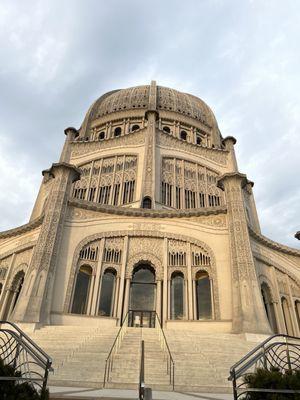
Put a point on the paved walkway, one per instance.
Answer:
(119, 394)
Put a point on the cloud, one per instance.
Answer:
(242, 58)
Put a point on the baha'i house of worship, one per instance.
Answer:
(146, 214)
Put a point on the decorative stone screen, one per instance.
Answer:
(110, 180)
(189, 185)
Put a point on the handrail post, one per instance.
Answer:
(142, 372)
(288, 354)
(234, 386)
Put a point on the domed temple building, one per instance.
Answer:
(146, 212)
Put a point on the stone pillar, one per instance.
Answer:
(71, 134)
(165, 283)
(190, 314)
(97, 288)
(186, 300)
(248, 313)
(292, 308)
(46, 251)
(212, 298)
(122, 281)
(158, 298)
(277, 303)
(116, 296)
(126, 299)
(91, 294)
(229, 143)
(194, 300)
(169, 299)
(5, 289)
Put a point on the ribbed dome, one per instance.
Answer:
(139, 98)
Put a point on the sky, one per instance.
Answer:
(241, 57)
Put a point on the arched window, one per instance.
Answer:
(82, 288)
(183, 135)
(287, 316)
(17, 285)
(142, 291)
(166, 129)
(269, 306)
(147, 202)
(198, 140)
(117, 131)
(14, 293)
(101, 135)
(135, 128)
(203, 296)
(297, 310)
(107, 293)
(177, 295)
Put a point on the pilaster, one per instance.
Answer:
(248, 314)
(150, 146)
(44, 259)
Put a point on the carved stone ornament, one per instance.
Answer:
(138, 249)
(217, 156)
(82, 148)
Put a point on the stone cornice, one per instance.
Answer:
(23, 228)
(273, 245)
(51, 171)
(217, 155)
(140, 212)
(236, 175)
(18, 249)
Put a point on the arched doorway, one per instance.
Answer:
(177, 295)
(287, 316)
(107, 293)
(269, 306)
(82, 289)
(203, 296)
(142, 296)
(14, 294)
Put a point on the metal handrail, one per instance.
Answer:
(19, 345)
(255, 350)
(114, 348)
(142, 372)
(275, 351)
(165, 347)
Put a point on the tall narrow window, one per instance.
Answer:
(81, 292)
(107, 293)
(128, 192)
(116, 194)
(203, 296)
(287, 317)
(269, 306)
(177, 296)
(178, 197)
(297, 309)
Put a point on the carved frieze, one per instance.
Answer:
(217, 156)
(83, 148)
(145, 245)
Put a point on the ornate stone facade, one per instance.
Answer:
(147, 192)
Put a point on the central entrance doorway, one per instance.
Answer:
(142, 297)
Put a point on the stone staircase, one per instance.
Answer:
(126, 364)
(78, 353)
(202, 361)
